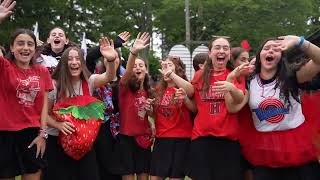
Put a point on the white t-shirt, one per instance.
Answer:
(48, 61)
(269, 112)
(78, 91)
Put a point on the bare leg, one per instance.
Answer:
(248, 175)
(176, 178)
(128, 177)
(155, 178)
(7, 178)
(143, 176)
(33, 176)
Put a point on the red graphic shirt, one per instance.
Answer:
(213, 118)
(21, 95)
(133, 116)
(172, 117)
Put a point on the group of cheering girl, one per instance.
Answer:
(231, 110)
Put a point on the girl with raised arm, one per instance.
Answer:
(76, 116)
(135, 133)
(278, 140)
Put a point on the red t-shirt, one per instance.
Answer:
(213, 118)
(21, 95)
(172, 118)
(133, 116)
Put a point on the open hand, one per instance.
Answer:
(221, 87)
(107, 49)
(141, 42)
(40, 142)
(66, 127)
(125, 37)
(6, 9)
(288, 42)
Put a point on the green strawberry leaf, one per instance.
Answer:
(93, 110)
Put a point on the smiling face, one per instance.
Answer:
(23, 49)
(57, 39)
(74, 64)
(270, 56)
(140, 69)
(220, 53)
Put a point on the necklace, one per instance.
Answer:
(262, 93)
(78, 88)
(264, 85)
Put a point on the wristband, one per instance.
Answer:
(43, 133)
(298, 46)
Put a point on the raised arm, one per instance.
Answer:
(109, 55)
(6, 9)
(310, 69)
(140, 43)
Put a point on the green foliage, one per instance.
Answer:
(254, 20)
(154, 65)
(93, 110)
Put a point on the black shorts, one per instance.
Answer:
(310, 171)
(215, 158)
(133, 159)
(107, 157)
(169, 157)
(63, 167)
(15, 156)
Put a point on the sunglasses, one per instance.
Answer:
(225, 37)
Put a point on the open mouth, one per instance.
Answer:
(25, 54)
(269, 58)
(74, 68)
(56, 42)
(220, 59)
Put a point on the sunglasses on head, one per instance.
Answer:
(216, 37)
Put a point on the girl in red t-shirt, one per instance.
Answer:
(172, 121)
(215, 150)
(135, 132)
(24, 89)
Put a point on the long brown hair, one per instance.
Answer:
(206, 73)
(62, 74)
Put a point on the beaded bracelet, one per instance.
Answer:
(43, 133)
